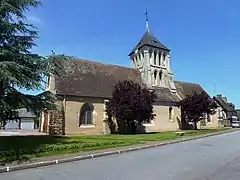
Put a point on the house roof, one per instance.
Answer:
(149, 39)
(24, 113)
(186, 88)
(225, 105)
(95, 79)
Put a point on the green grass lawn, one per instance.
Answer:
(19, 148)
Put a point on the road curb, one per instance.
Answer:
(107, 153)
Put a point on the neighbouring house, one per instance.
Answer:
(26, 120)
(184, 89)
(226, 112)
(86, 86)
(238, 114)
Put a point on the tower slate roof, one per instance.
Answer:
(148, 39)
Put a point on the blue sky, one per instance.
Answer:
(203, 35)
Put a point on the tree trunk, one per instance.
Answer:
(184, 124)
(133, 127)
(195, 125)
(4, 124)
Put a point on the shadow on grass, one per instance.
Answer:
(19, 148)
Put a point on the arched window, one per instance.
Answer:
(155, 58)
(136, 61)
(139, 56)
(86, 114)
(164, 59)
(159, 59)
(155, 77)
(150, 53)
(160, 76)
(170, 113)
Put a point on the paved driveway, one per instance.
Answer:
(213, 158)
(34, 132)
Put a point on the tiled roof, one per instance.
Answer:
(92, 79)
(95, 79)
(186, 88)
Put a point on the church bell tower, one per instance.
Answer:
(152, 59)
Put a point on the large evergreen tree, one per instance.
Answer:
(19, 67)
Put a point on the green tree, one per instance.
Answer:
(130, 104)
(19, 67)
(195, 107)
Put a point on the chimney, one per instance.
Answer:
(231, 105)
(219, 96)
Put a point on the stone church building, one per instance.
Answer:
(87, 85)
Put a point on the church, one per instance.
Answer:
(87, 85)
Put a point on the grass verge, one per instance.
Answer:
(20, 148)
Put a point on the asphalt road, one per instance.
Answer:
(213, 158)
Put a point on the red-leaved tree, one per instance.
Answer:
(130, 104)
(194, 107)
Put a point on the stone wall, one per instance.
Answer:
(56, 121)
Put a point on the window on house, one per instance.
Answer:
(224, 115)
(87, 119)
(104, 109)
(170, 113)
(86, 114)
(208, 118)
(220, 114)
